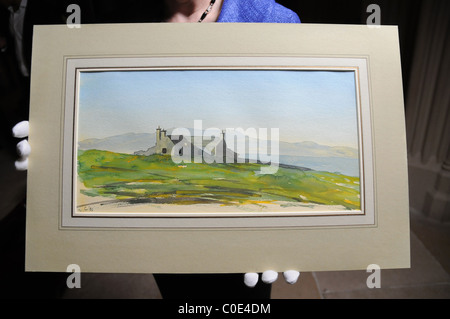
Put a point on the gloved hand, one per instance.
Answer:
(270, 276)
(21, 130)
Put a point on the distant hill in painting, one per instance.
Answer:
(336, 159)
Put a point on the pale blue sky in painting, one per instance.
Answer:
(317, 106)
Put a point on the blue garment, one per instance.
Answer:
(258, 11)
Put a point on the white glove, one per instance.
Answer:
(270, 276)
(21, 130)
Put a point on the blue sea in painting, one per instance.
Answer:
(342, 165)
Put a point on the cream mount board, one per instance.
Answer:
(102, 234)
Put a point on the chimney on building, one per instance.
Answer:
(158, 133)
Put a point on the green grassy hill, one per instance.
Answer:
(156, 179)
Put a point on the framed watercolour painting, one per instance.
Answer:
(263, 140)
(213, 152)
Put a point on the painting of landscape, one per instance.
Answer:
(217, 141)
